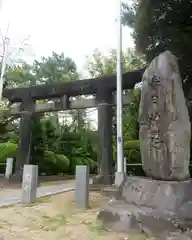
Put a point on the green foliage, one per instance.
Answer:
(131, 111)
(132, 144)
(59, 152)
(163, 25)
(58, 147)
(77, 145)
(132, 151)
(20, 76)
(7, 150)
(55, 68)
(133, 156)
(160, 26)
(101, 65)
(62, 162)
(54, 163)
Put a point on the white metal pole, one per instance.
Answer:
(120, 154)
(1, 3)
(3, 64)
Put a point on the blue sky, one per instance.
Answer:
(75, 27)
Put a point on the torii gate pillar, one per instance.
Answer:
(25, 138)
(105, 153)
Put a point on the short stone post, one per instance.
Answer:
(82, 186)
(9, 168)
(29, 184)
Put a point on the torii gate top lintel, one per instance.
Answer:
(74, 88)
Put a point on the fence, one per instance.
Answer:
(132, 169)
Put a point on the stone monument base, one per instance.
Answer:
(154, 207)
(100, 179)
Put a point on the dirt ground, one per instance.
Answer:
(56, 218)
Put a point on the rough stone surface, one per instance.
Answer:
(178, 236)
(99, 179)
(29, 184)
(121, 216)
(170, 196)
(153, 206)
(82, 186)
(112, 192)
(164, 121)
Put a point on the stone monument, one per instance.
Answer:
(164, 121)
(161, 202)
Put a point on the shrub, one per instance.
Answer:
(54, 163)
(2, 168)
(132, 144)
(132, 151)
(7, 150)
(82, 161)
(62, 162)
(75, 161)
(93, 165)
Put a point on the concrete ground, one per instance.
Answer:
(10, 196)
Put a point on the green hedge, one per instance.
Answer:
(132, 151)
(132, 144)
(2, 168)
(7, 150)
(53, 164)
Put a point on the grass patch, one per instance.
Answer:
(53, 223)
(97, 228)
(8, 206)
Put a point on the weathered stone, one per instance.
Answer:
(164, 121)
(120, 216)
(82, 186)
(25, 139)
(112, 192)
(154, 207)
(105, 116)
(178, 236)
(172, 196)
(29, 184)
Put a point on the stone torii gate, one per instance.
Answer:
(102, 88)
